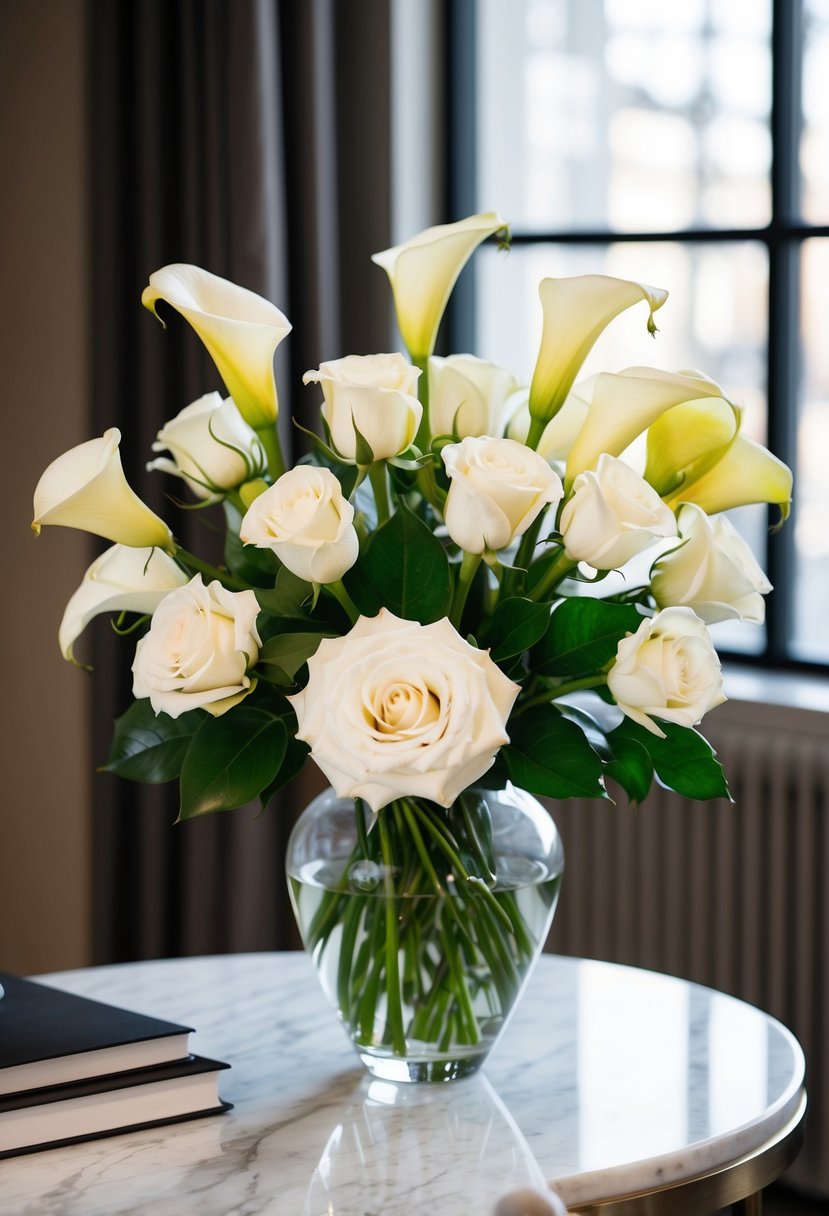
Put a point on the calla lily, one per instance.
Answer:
(747, 473)
(687, 441)
(122, 579)
(626, 404)
(576, 311)
(422, 272)
(86, 488)
(559, 434)
(240, 329)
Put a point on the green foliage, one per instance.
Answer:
(283, 654)
(290, 597)
(683, 761)
(151, 747)
(583, 636)
(230, 759)
(256, 566)
(550, 755)
(296, 753)
(515, 625)
(404, 568)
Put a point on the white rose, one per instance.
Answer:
(613, 515)
(397, 709)
(306, 521)
(497, 489)
(122, 579)
(468, 396)
(86, 488)
(212, 446)
(377, 394)
(713, 571)
(199, 648)
(667, 669)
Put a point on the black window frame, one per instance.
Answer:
(783, 238)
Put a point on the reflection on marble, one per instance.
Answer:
(401, 1145)
(607, 1080)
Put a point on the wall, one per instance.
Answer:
(44, 320)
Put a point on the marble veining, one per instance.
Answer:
(607, 1080)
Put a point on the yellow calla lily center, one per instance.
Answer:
(576, 311)
(423, 270)
(747, 473)
(240, 329)
(697, 453)
(687, 441)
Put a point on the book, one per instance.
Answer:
(49, 1037)
(107, 1106)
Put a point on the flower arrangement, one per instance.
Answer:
(415, 601)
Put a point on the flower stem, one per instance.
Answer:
(212, 572)
(379, 484)
(559, 690)
(344, 599)
(394, 1008)
(424, 433)
(559, 569)
(466, 573)
(537, 429)
(576, 685)
(269, 438)
(528, 542)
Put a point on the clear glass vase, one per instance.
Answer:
(425, 923)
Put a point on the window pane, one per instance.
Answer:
(715, 320)
(814, 141)
(624, 114)
(811, 532)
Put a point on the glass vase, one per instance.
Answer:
(424, 922)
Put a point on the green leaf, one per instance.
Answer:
(296, 754)
(516, 625)
(256, 566)
(550, 755)
(631, 766)
(683, 761)
(583, 636)
(290, 597)
(405, 569)
(151, 747)
(286, 652)
(230, 760)
(363, 453)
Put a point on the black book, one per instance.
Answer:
(107, 1106)
(49, 1037)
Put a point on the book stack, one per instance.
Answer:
(74, 1069)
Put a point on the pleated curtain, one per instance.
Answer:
(251, 137)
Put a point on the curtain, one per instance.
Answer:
(250, 137)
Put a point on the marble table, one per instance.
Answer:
(610, 1084)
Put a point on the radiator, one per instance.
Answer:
(733, 897)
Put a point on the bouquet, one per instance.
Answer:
(414, 603)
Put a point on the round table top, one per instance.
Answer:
(608, 1080)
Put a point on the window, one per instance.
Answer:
(686, 146)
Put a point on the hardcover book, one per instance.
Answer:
(105, 1106)
(49, 1037)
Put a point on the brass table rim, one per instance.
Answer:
(716, 1189)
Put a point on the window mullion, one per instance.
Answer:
(784, 301)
